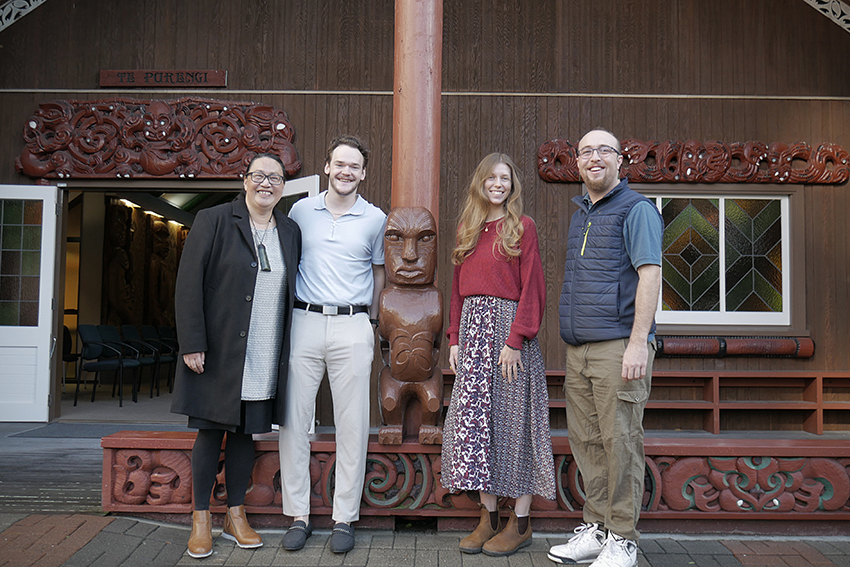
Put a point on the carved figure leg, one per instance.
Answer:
(392, 410)
(430, 395)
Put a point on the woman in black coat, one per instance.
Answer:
(234, 296)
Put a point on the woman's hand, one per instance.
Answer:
(195, 361)
(453, 358)
(511, 363)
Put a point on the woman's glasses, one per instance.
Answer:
(258, 177)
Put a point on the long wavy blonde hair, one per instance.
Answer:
(477, 206)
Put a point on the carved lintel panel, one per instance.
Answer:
(126, 138)
(693, 161)
(753, 486)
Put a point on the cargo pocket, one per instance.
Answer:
(630, 411)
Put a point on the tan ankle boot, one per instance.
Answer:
(236, 528)
(200, 541)
(509, 540)
(476, 540)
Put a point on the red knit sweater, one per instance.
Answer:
(520, 279)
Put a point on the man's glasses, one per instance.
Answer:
(258, 177)
(603, 151)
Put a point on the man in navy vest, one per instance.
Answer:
(607, 318)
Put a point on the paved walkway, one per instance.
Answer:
(50, 516)
(82, 540)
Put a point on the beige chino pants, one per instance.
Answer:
(604, 420)
(344, 344)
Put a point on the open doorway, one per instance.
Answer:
(122, 247)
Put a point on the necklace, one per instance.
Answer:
(261, 248)
(487, 223)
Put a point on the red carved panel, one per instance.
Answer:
(692, 161)
(126, 138)
(746, 479)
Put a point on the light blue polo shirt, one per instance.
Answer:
(337, 255)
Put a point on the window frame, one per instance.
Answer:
(794, 272)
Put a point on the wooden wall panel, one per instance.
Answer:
(724, 47)
(305, 45)
(737, 55)
(519, 124)
(758, 47)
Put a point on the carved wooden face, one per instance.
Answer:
(158, 121)
(410, 246)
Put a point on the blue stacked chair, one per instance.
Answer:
(97, 356)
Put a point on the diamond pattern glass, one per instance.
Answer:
(691, 262)
(753, 255)
(691, 259)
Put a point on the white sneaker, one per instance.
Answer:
(583, 547)
(617, 552)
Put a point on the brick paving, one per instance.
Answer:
(82, 540)
(50, 516)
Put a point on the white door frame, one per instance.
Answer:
(27, 353)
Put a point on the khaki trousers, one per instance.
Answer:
(604, 420)
(344, 344)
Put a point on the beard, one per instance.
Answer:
(604, 184)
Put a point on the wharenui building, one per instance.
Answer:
(119, 121)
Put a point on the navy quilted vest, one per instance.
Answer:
(598, 297)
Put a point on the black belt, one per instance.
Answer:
(331, 309)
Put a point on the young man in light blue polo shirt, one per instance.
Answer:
(339, 278)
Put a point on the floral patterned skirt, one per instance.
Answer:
(496, 434)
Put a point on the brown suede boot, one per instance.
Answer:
(476, 540)
(200, 541)
(509, 540)
(236, 528)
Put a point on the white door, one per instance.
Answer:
(28, 219)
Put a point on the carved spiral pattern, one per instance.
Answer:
(756, 484)
(147, 480)
(127, 138)
(692, 161)
(154, 478)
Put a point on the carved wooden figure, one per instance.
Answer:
(411, 322)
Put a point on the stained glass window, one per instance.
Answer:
(723, 260)
(20, 261)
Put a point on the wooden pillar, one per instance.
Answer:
(416, 104)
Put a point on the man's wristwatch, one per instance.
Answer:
(374, 322)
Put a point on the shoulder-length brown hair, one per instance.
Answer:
(474, 215)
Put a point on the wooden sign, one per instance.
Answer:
(173, 78)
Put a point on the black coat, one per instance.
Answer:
(213, 299)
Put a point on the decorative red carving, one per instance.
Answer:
(755, 484)
(791, 347)
(693, 161)
(155, 478)
(126, 138)
(693, 479)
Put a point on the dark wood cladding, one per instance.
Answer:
(718, 47)
(722, 47)
(517, 125)
(536, 70)
(267, 44)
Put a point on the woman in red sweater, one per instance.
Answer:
(496, 435)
